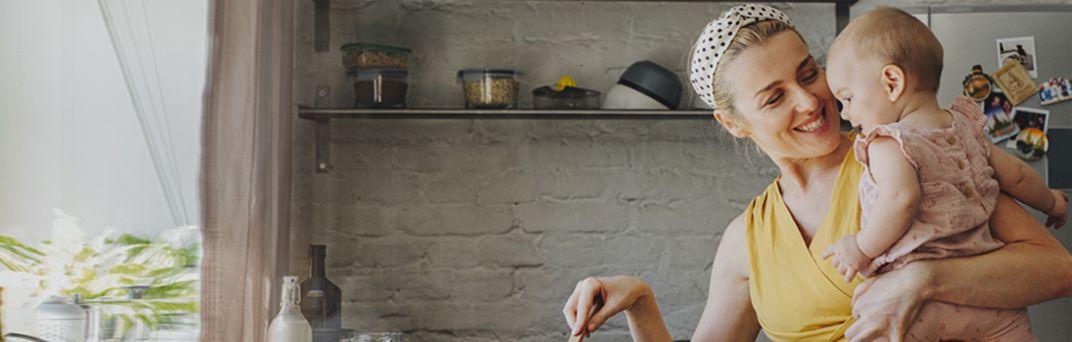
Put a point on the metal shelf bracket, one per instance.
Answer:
(323, 145)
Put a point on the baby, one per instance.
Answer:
(929, 184)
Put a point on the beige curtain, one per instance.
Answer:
(245, 179)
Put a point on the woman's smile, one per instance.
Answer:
(818, 124)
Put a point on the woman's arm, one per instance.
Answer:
(618, 294)
(1031, 268)
(728, 315)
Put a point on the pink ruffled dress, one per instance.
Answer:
(959, 194)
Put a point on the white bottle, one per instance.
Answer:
(289, 325)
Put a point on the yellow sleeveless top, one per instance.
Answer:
(796, 294)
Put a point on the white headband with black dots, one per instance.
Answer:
(717, 36)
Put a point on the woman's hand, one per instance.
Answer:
(617, 294)
(886, 306)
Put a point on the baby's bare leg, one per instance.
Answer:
(940, 321)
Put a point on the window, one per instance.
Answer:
(100, 123)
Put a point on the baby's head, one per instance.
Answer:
(881, 61)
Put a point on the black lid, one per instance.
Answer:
(318, 249)
(655, 81)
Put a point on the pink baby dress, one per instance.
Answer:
(959, 193)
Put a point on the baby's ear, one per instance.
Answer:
(893, 81)
(735, 128)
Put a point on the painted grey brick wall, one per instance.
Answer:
(481, 235)
(477, 230)
(594, 41)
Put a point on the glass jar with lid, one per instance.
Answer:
(489, 88)
(380, 88)
(366, 55)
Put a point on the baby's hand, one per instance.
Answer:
(848, 258)
(1059, 214)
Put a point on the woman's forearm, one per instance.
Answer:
(1031, 268)
(645, 321)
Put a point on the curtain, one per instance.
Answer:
(246, 163)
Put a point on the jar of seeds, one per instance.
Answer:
(365, 55)
(489, 88)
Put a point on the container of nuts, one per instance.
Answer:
(365, 55)
(489, 88)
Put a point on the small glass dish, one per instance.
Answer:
(568, 98)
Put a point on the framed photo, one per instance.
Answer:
(1029, 118)
(1015, 82)
(999, 123)
(1020, 49)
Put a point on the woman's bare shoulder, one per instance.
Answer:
(732, 255)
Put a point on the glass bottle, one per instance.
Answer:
(321, 299)
(289, 325)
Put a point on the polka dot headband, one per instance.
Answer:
(716, 38)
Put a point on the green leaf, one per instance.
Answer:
(189, 256)
(127, 239)
(175, 307)
(10, 241)
(18, 257)
(148, 320)
(83, 254)
(128, 269)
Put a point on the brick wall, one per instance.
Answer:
(477, 230)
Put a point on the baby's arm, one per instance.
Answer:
(898, 197)
(896, 206)
(1022, 183)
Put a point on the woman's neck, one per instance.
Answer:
(801, 173)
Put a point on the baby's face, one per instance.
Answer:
(856, 82)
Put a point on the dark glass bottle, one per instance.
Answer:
(321, 300)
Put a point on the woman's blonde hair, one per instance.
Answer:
(747, 36)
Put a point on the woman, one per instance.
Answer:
(767, 270)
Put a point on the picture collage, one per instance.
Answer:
(1001, 94)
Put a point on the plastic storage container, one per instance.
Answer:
(489, 88)
(569, 98)
(380, 88)
(364, 55)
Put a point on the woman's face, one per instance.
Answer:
(781, 96)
